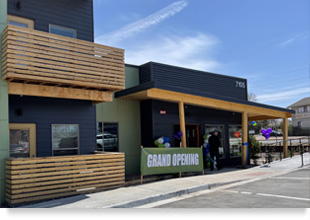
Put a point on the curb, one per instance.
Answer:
(178, 193)
(187, 191)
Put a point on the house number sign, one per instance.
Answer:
(240, 84)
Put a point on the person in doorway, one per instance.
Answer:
(215, 143)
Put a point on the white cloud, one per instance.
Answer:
(295, 38)
(283, 95)
(127, 31)
(194, 52)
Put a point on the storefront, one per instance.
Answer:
(195, 102)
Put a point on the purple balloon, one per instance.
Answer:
(263, 131)
(176, 136)
(180, 133)
(267, 135)
(269, 130)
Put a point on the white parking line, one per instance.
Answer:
(265, 194)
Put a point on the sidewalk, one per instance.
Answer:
(133, 196)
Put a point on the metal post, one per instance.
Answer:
(301, 155)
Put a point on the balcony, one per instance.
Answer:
(37, 63)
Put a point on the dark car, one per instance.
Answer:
(276, 134)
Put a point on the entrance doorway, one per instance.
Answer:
(193, 138)
(221, 134)
(23, 140)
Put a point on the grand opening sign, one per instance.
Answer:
(170, 160)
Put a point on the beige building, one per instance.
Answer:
(301, 118)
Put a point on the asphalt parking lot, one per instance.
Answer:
(291, 190)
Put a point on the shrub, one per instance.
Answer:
(254, 148)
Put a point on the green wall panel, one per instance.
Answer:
(4, 118)
(127, 114)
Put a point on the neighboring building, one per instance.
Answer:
(160, 100)
(52, 77)
(301, 118)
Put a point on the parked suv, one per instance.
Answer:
(108, 141)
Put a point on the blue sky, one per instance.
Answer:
(264, 41)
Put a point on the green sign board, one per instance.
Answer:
(170, 160)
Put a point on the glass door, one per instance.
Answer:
(22, 140)
(235, 140)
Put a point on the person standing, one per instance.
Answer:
(214, 144)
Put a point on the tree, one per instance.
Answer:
(252, 97)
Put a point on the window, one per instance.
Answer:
(299, 124)
(63, 31)
(65, 139)
(308, 108)
(301, 109)
(20, 21)
(235, 140)
(221, 134)
(107, 137)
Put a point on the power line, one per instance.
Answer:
(280, 82)
(286, 72)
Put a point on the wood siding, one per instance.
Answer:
(38, 57)
(47, 111)
(35, 179)
(76, 14)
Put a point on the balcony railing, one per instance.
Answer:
(36, 57)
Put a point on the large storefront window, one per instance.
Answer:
(235, 140)
(107, 137)
(220, 128)
(65, 139)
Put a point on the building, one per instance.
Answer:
(63, 95)
(160, 100)
(52, 77)
(301, 118)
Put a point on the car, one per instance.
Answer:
(276, 134)
(108, 141)
(18, 148)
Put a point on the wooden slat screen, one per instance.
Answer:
(36, 56)
(35, 179)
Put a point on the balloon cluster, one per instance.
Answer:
(178, 135)
(205, 140)
(266, 133)
(162, 142)
(253, 123)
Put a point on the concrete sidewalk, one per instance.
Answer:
(133, 196)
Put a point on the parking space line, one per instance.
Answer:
(265, 194)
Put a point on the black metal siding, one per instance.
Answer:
(193, 81)
(76, 14)
(145, 74)
(47, 111)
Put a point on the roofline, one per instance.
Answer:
(200, 71)
(153, 84)
(295, 103)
